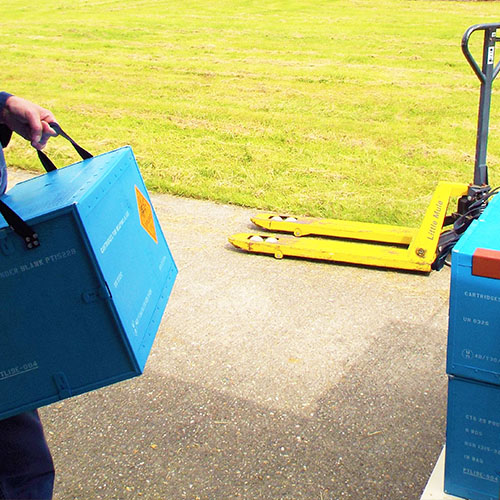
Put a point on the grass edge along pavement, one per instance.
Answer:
(351, 110)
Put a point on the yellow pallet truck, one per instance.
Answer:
(387, 246)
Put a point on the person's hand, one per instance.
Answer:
(29, 120)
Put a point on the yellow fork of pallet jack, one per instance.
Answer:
(418, 256)
(337, 228)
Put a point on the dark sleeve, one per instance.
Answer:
(5, 132)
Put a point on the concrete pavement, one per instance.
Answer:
(269, 379)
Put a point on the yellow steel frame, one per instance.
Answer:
(376, 244)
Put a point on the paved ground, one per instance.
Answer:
(268, 380)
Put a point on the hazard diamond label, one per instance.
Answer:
(146, 214)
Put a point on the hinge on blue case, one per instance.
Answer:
(6, 245)
(98, 293)
(62, 385)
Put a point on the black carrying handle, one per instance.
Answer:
(47, 163)
(26, 232)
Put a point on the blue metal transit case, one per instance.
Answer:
(80, 309)
(472, 468)
(474, 322)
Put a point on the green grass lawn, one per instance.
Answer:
(349, 109)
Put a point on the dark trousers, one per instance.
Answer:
(26, 466)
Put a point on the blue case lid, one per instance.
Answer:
(55, 190)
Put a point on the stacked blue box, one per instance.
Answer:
(472, 467)
(81, 310)
(474, 327)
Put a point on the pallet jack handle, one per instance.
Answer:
(486, 75)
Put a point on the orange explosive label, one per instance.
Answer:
(146, 214)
